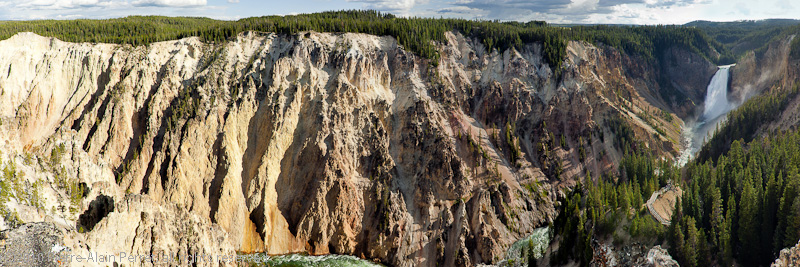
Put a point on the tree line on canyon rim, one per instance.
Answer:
(740, 197)
(413, 33)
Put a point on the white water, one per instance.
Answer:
(716, 103)
(298, 260)
(537, 242)
(715, 107)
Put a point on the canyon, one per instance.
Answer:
(325, 143)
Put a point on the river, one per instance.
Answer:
(299, 260)
(537, 242)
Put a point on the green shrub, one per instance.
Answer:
(56, 154)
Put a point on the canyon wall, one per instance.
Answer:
(758, 71)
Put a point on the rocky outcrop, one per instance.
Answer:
(788, 257)
(659, 257)
(317, 142)
(631, 255)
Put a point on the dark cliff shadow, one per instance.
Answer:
(98, 209)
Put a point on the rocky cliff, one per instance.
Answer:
(317, 142)
(684, 77)
(770, 70)
(761, 70)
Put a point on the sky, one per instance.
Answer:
(552, 11)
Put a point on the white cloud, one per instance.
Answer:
(742, 8)
(103, 9)
(59, 4)
(781, 8)
(671, 3)
(75, 16)
(553, 11)
(514, 9)
(574, 11)
(79, 4)
(170, 3)
(460, 10)
(580, 7)
(401, 6)
(635, 15)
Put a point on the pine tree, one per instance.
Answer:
(691, 245)
(624, 200)
(769, 210)
(784, 210)
(793, 223)
(637, 197)
(748, 224)
(675, 233)
(725, 236)
(531, 257)
(717, 217)
(677, 247)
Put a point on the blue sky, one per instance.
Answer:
(554, 11)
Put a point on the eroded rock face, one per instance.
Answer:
(758, 72)
(324, 143)
(684, 74)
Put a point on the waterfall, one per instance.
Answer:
(716, 103)
(715, 107)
